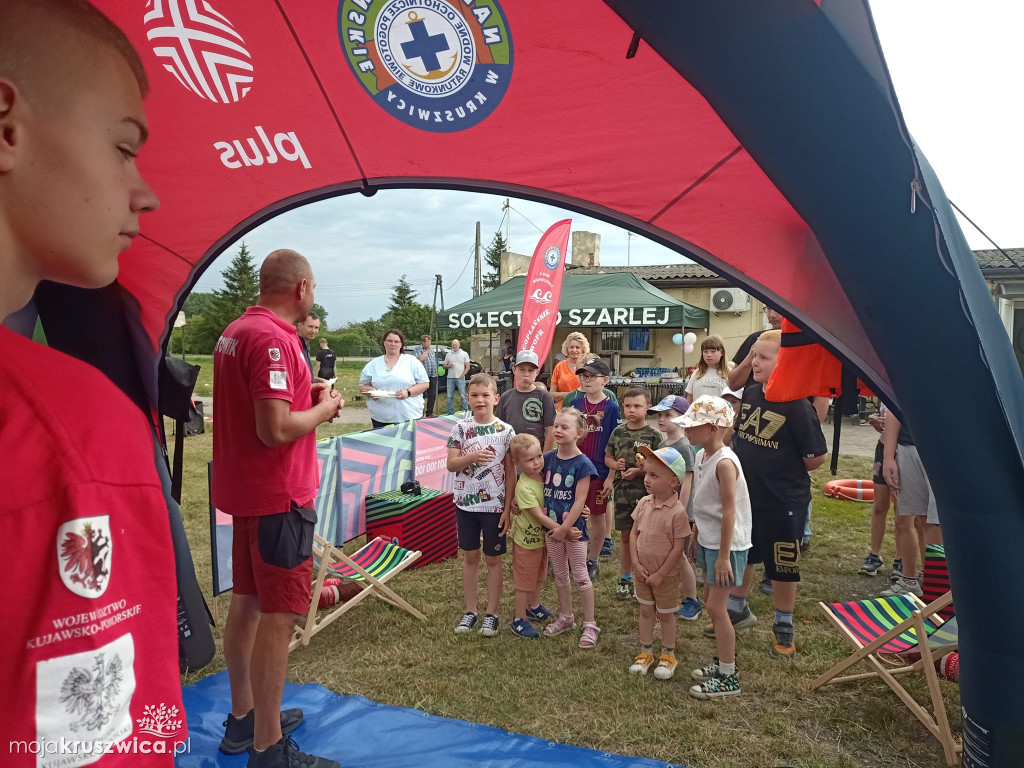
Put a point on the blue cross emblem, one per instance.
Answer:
(425, 46)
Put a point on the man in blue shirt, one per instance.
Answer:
(427, 355)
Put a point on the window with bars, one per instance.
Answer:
(632, 340)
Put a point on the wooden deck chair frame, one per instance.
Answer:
(330, 555)
(937, 725)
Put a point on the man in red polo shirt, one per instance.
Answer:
(89, 643)
(265, 475)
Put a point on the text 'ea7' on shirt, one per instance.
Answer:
(259, 357)
(772, 440)
(481, 487)
(561, 477)
(90, 638)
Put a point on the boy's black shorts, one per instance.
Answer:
(775, 541)
(877, 477)
(472, 524)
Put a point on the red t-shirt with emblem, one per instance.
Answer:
(257, 357)
(89, 644)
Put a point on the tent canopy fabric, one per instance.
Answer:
(612, 300)
(760, 139)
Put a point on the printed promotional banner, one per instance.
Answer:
(543, 290)
(371, 462)
(221, 532)
(352, 467)
(432, 452)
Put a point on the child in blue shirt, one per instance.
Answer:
(568, 475)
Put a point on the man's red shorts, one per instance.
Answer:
(597, 500)
(272, 558)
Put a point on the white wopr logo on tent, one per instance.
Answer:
(200, 48)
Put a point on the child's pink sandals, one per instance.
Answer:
(562, 624)
(589, 637)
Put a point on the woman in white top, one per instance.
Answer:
(712, 374)
(397, 383)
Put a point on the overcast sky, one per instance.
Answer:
(959, 78)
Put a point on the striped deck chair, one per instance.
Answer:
(371, 568)
(898, 625)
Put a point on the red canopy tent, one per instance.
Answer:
(760, 139)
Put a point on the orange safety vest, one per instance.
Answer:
(805, 369)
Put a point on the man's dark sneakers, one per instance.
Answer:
(238, 733)
(286, 754)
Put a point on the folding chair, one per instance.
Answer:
(371, 568)
(897, 625)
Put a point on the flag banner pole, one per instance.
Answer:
(543, 290)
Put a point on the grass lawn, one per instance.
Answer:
(551, 689)
(347, 383)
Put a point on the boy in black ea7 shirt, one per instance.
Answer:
(778, 443)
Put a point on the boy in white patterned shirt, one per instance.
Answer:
(478, 454)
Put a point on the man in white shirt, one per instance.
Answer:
(456, 363)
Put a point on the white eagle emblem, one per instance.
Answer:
(93, 695)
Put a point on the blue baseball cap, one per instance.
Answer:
(672, 402)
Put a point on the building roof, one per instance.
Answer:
(992, 262)
(684, 271)
(993, 259)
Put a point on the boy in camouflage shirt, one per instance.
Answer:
(626, 479)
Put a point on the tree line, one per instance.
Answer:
(207, 314)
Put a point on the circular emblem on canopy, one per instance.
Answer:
(437, 65)
(552, 256)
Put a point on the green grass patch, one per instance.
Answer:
(551, 689)
(348, 379)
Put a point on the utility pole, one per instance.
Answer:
(433, 314)
(478, 270)
(629, 237)
(507, 208)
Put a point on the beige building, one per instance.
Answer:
(1004, 273)
(733, 314)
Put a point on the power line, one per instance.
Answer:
(1009, 258)
(528, 221)
(472, 252)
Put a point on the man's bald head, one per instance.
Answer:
(51, 47)
(282, 271)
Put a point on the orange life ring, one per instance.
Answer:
(851, 490)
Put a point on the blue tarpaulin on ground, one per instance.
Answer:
(360, 733)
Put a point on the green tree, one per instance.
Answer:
(492, 256)
(402, 295)
(412, 319)
(241, 288)
(199, 303)
(322, 314)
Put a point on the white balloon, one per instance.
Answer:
(690, 338)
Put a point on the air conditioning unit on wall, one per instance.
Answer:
(729, 300)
